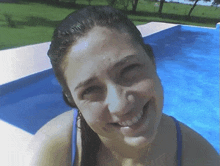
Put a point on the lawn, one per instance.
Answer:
(33, 23)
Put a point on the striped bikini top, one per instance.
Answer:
(74, 137)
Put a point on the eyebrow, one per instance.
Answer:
(85, 83)
(117, 64)
(124, 60)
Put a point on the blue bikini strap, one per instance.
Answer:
(179, 141)
(74, 134)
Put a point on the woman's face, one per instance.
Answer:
(115, 86)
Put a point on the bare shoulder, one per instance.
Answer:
(60, 125)
(51, 145)
(197, 151)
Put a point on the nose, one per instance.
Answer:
(118, 100)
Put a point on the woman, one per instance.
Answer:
(109, 75)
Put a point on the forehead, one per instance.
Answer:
(97, 51)
(99, 41)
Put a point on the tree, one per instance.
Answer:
(124, 3)
(216, 3)
(71, 1)
(161, 6)
(134, 5)
(89, 1)
(111, 2)
(194, 5)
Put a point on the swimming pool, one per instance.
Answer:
(187, 62)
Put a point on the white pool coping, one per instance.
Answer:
(23, 61)
(13, 143)
(20, 62)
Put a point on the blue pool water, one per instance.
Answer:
(187, 61)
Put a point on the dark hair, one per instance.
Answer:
(73, 27)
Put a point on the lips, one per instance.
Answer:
(135, 120)
(139, 127)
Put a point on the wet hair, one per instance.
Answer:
(73, 27)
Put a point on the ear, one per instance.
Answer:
(67, 97)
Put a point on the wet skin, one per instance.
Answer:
(112, 79)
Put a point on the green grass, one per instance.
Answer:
(35, 22)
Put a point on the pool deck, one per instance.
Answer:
(20, 62)
(14, 142)
(154, 27)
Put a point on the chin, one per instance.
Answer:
(141, 141)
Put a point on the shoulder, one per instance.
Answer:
(197, 151)
(62, 124)
(51, 145)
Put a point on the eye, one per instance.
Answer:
(130, 70)
(131, 67)
(93, 93)
(90, 90)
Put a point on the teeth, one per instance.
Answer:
(133, 121)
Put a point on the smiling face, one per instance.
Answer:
(115, 86)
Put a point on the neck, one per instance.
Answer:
(120, 151)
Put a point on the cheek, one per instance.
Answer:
(97, 120)
(94, 114)
(145, 88)
(159, 92)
